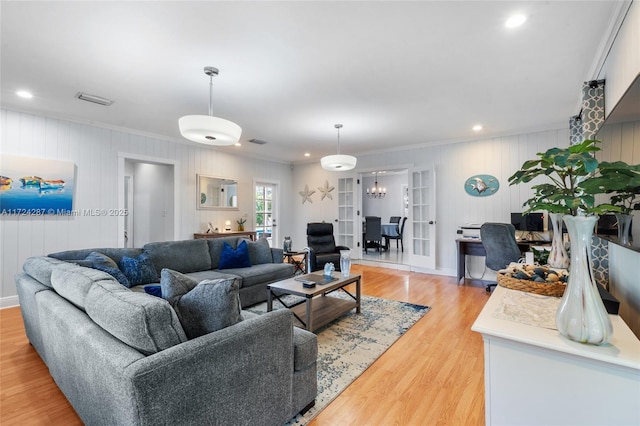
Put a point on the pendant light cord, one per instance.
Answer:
(211, 96)
(338, 126)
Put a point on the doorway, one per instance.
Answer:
(147, 191)
(266, 209)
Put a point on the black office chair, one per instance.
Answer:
(394, 219)
(372, 232)
(499, 241)
(322, 246)
(400, 234)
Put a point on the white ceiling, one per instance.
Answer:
(394, 73)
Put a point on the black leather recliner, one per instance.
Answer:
(322, 246)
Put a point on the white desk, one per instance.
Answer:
(534, 376)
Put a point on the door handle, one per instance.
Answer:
(431, 222)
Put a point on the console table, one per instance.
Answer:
(250, 234)
(535, 376)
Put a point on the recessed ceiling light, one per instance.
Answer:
(306, 154)
(24, 94)
(477, 127)
(515, 21)
(237, 144)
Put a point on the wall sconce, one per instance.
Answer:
(227, 225)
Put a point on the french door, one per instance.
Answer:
(346, 232)
(422, 215)
(265, 201)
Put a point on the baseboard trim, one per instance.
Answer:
(9, 302)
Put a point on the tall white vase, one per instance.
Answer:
(581, 315)
(624, 228)
(558, 257)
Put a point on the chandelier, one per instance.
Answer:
(377, 191)
(338, 163)
(207, 129)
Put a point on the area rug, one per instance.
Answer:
(351, 343)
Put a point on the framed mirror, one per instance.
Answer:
(216, 193)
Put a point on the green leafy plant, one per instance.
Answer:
(568, 169)
(620, 179)
(241, 221)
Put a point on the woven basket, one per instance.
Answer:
(545, 289)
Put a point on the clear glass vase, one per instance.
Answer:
(581, 315)
(345, 262)
(558, 257)
(624, 228)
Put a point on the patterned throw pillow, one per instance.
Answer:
(203, 307)
(104, 263)
(238, 258)
(140, 270)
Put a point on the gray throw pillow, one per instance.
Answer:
(104, 263)
(259, 251)
(203, 307)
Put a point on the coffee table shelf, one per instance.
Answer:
(318, 307)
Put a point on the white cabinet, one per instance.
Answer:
(534, 376)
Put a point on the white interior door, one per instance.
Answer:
(422, 199)
(346, 232)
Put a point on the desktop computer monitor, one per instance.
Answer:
(532, 222)
(607, 225)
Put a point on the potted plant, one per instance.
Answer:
(623, 182)
(241, 223)
(581, 315)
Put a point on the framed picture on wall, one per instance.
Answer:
(36, 186)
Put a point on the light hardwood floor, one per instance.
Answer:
(433, 375)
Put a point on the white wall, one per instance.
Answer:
(153, 203)
(454, 163)
(95, 151)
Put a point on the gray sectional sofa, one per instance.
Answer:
(200, 259)
(122, 357)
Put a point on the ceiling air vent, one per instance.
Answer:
(93, 98)
(257, 141)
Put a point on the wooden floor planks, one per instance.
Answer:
(433, 375)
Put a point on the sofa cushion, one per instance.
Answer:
(305, 349)
(114, 253)
(212, 275)
(104, 263)
(73, 282)
(259, 251)
(40, 268)
(182, 256)
(203, 307)
(235, 258)
(144, 322)
(263, 274)
(140, 270)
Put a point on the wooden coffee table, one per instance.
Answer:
(317, 308)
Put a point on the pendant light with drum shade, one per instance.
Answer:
(338, 163)
(207, 129)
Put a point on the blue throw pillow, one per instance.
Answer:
(238, 258)
(114, 272)
(140, 270)
(154, 290)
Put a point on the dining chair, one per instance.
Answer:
(399, 236)
(394, 219)
(373, 232)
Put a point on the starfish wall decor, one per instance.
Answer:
(306, 194)
(325, 190)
